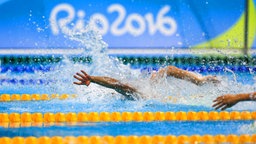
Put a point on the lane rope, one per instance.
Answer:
(133, 139)
(38, 119)
(203, 68)
(34, 97)
(34, 60)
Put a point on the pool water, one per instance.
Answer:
(98, 99)
(169, 94)
(135, 128)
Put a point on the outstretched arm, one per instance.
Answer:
(124, 89)
(186, 75)
(226, 101)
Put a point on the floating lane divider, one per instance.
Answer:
(133, 139)
(34, 97)
(39, 119)
(202, 68)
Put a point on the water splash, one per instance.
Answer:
(165, 91)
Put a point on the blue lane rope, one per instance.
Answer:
(25, 81)
(210, 68)
(28, 69)
(33, 69)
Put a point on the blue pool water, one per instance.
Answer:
(169, 94)
(98, 99)
(135, 128)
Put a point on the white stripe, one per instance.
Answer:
(147, 51)
(177, 51)
(29, 51)
(120, 51)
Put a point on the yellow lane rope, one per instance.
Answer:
(27, 119)
(34, 97)
(133, 139)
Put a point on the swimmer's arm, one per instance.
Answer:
(246, 96)
(85, 79)
(186, 75)
(113, 84)
(229, 100)
(183, 74)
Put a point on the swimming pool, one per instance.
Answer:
(37, 101)
(44, 43)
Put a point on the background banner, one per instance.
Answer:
(126, 24)
(253, 19)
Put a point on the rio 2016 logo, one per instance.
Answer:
(166, 25)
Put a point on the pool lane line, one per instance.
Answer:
(134, 139)
(15, 81)
(34, 97)
(195, 68)
(27, 119)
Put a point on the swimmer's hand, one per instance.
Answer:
(210, 79)
(84, 78)
(225, 101)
